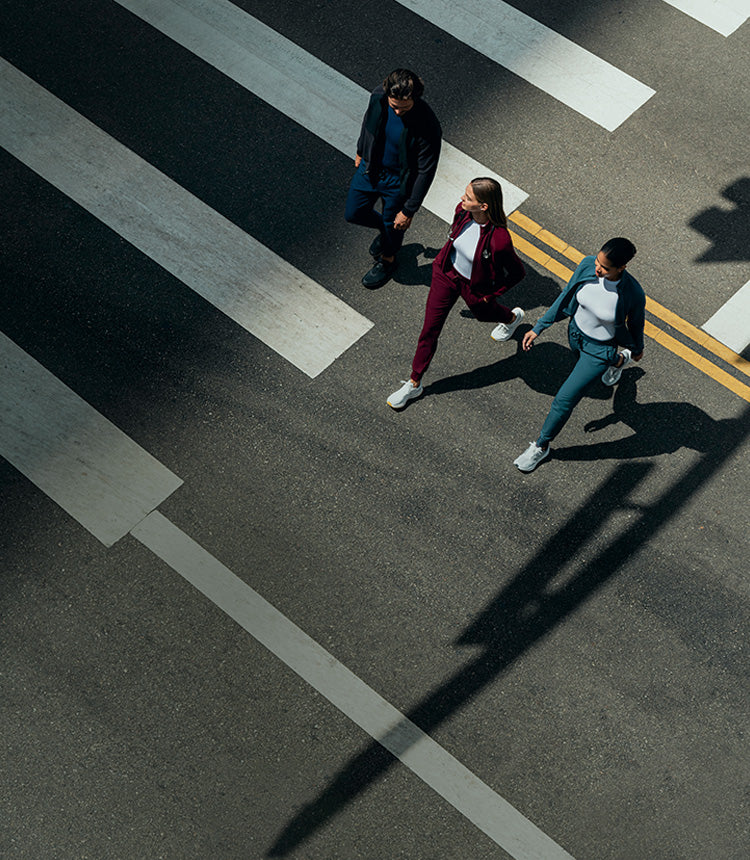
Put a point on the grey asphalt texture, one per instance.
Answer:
(577, 637)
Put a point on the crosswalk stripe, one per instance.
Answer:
(112, 487)
(539, 55)
(490, 812)
(298, 84)
(731, 323)
(267, 296)
(724, 16)
(96, 473)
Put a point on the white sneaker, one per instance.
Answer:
(503, 331)
(407, 392)
(611, 375)
(531, 457)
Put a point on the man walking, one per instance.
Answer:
(396, 161)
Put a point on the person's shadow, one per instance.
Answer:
(658, 428)
(544, 369)
(410, 271)
(728, 229)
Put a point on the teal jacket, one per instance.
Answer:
(629, 311)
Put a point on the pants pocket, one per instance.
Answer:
(601, 351)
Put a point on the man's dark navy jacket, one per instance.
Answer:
(419, 147)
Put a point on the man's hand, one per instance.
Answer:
(637, 357)
(357, 161)
(528, 340)
(402, 222)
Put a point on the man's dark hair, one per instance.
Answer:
(403, 84)
(618, 251)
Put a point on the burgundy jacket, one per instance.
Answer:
(496, 267)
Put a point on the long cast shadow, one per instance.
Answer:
(727, 228)
(658, 428)
(545, 373)
(524, 612)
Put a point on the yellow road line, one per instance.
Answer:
(700, 337)
(536, 230)
(703, 364)
(539, 256)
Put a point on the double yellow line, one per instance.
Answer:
(703, 340)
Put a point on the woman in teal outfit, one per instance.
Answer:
(606, 307)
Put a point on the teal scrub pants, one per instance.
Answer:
(594, 357)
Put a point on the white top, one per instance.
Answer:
(464, 248)
(595, 316)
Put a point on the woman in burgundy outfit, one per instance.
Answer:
(477, 263)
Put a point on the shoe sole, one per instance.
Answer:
(507, 336)
(619, 375)
(531, 469)
(408, 400)
(511, 332)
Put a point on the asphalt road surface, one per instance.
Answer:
(248, 610)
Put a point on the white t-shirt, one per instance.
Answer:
(595, 316)
(464, 248)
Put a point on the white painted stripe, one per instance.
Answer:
(544, 58)
(422, 755)
(96, 473)
(298, 84)
(111, 486)
(731, 323)
(266, 295)
(724, 16)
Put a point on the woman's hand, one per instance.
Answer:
(528, 340)
(357, 161)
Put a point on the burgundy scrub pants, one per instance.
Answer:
(445, 289)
